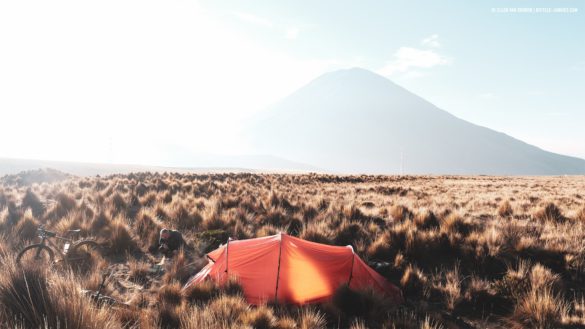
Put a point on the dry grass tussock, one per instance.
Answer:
(467, 252)
(32, 297)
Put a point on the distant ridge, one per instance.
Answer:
(356, 121)
(202, 164)
(29, 177)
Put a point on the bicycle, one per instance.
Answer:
(77, 252)
(100, 298)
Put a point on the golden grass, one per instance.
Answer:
(466, 251)
(33, 297)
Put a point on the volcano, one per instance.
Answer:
(356, 121)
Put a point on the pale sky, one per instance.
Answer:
(120, 80)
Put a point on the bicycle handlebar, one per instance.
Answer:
(44, 232)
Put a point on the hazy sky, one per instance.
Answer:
(119, 80)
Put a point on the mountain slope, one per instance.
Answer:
(355, 121)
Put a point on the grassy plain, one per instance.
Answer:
(467, 252)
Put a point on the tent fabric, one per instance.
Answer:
(291, 270)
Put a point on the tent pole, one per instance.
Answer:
(278, 270)
(227, 250)
(351, 270)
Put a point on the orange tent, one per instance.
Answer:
(291, 270)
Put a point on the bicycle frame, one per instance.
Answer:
(47, 240)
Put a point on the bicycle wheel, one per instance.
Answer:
(83, 253)
(35, 254)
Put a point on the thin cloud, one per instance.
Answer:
(407, 58)
(292, 33)
(413, 75)
(579, 66)
(488, 96)
(253, 19)
(555, 114)
(288, 32)
(432, 41)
